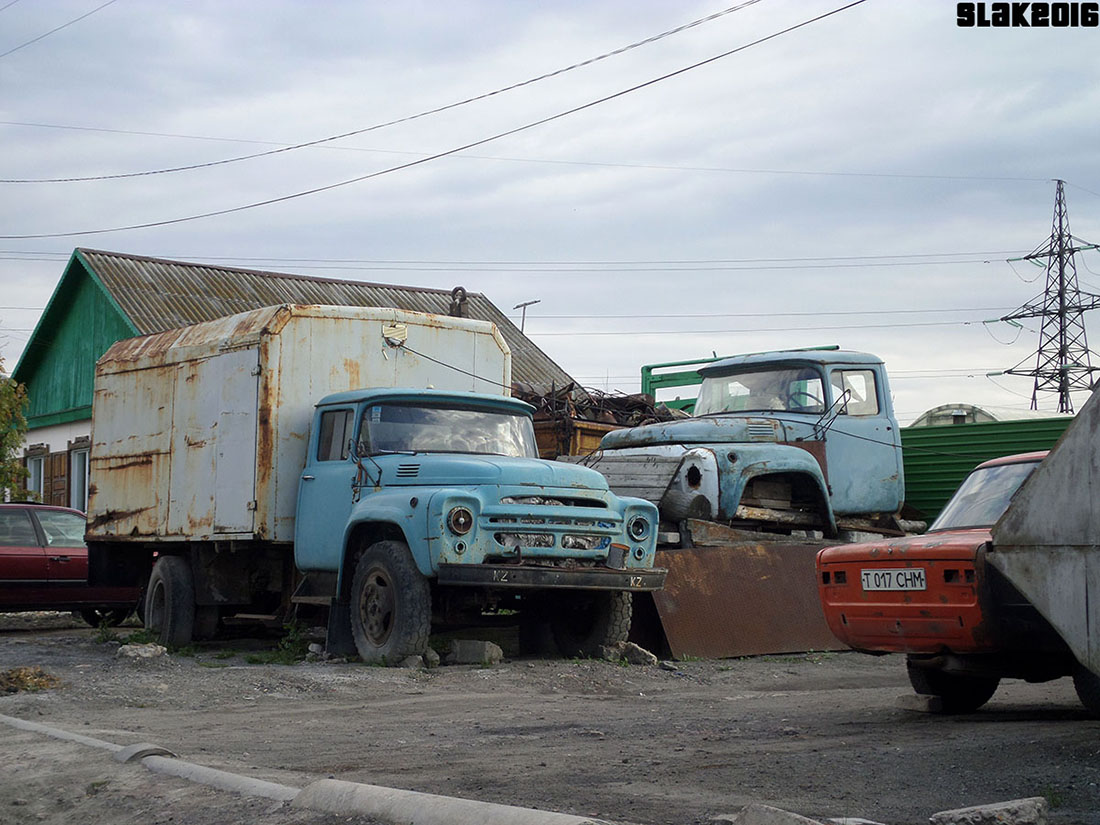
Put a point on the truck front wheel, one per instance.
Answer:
(170, 601)
(959, 692)
(583, 622)
(391, 605)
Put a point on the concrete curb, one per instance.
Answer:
(414, 808)
(327, 795)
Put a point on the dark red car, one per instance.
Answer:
(44, 566)
(962, 625)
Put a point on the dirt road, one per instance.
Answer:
(817, 734)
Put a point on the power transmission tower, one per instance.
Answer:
(1062, 362)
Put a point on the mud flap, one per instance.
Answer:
(338, 639)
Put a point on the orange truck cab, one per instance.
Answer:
(962, 625)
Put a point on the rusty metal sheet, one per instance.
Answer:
(742, 599)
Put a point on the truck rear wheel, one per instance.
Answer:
(391, 605)
(959, 692)
(170, 601)
(584, 622)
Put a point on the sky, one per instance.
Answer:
(785, 173)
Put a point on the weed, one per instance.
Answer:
(105, 633)
(141, 637)
(224, 654)
(213, 664)
(1053, 798)
(292, 648)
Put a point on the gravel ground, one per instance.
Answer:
(819, 734)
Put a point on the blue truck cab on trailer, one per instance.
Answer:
(424, 503)
(784, 440)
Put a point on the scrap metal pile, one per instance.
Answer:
(573, 401)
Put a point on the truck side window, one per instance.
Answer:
(332, 442)
(860, 384)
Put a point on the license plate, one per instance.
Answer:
(905, 578)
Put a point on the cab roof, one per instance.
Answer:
(793, 357)
(412, 394)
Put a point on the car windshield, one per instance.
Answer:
(792, 389)
(983, 497)
(421, 428)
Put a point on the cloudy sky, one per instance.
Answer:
(743, 184)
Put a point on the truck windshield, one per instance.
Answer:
(390, 428)
(792, 389)
(983, 497)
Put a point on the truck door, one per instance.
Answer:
(324, 492)
(862, 447)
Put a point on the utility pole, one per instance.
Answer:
(523, 316)
(1062, 362)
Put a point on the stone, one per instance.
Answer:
(852, 820)
(146, 651)
(671, 667)
(410, 662)
(1029, 811)
(431, 658)
(629, 652)
(472, 652)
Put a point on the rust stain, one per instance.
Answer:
(112, 516)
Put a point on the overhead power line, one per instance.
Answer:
(755, 330)
(405, 119)
(53, 31)
(449, 152)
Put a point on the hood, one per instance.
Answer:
(451, 469)
(942, 545)
(714, 429)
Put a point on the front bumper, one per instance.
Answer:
(537, 577)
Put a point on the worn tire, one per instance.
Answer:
(391, 605)
(583, 622)
(170, 601)
(97, 617)
(1087, 685)
(958, 692)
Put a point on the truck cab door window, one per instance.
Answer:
(335, 430)
(862, 393)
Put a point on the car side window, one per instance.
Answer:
(332, 441)
(62, 529)
(16, 529)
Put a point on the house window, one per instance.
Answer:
(36, 469)
(78, 480)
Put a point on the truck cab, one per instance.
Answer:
(786, 440)
(416, 504)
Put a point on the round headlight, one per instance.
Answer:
(460, 520)
(638, 528)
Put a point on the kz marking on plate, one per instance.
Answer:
(907, 578)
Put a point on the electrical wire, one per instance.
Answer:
(449, 152)
(755, 330)
(54, 31)
(405, 119)
(8, 5)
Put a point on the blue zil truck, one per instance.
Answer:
(358, 460)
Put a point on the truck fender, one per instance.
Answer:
(379, 521)
(744, 462)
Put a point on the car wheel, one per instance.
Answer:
(958, 692)
(583, 622)
(170, 601)
(391, 606)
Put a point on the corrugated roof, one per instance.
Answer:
(159, 294)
